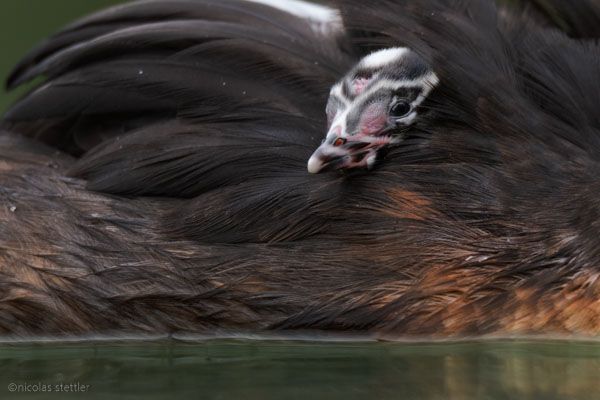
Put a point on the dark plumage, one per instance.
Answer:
(170, 192)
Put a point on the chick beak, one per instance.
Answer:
(342, 154)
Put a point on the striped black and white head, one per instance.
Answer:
(372, 107)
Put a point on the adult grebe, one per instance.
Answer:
(157, 180)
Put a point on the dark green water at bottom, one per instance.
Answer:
(242, 369)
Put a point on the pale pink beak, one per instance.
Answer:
(342, 154)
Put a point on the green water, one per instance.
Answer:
(238, 369)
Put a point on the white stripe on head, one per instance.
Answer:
(426, 82)
(336, 90)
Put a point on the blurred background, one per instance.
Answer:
(24, 23)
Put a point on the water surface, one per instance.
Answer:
(248, 369)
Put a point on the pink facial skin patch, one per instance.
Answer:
(359, 84)
(373, 120)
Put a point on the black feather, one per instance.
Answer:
(187, 206)
(168, 59)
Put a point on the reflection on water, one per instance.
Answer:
(229, 369)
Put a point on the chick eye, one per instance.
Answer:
(400, 109)
(339, 141)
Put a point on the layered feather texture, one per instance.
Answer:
(188, 208)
